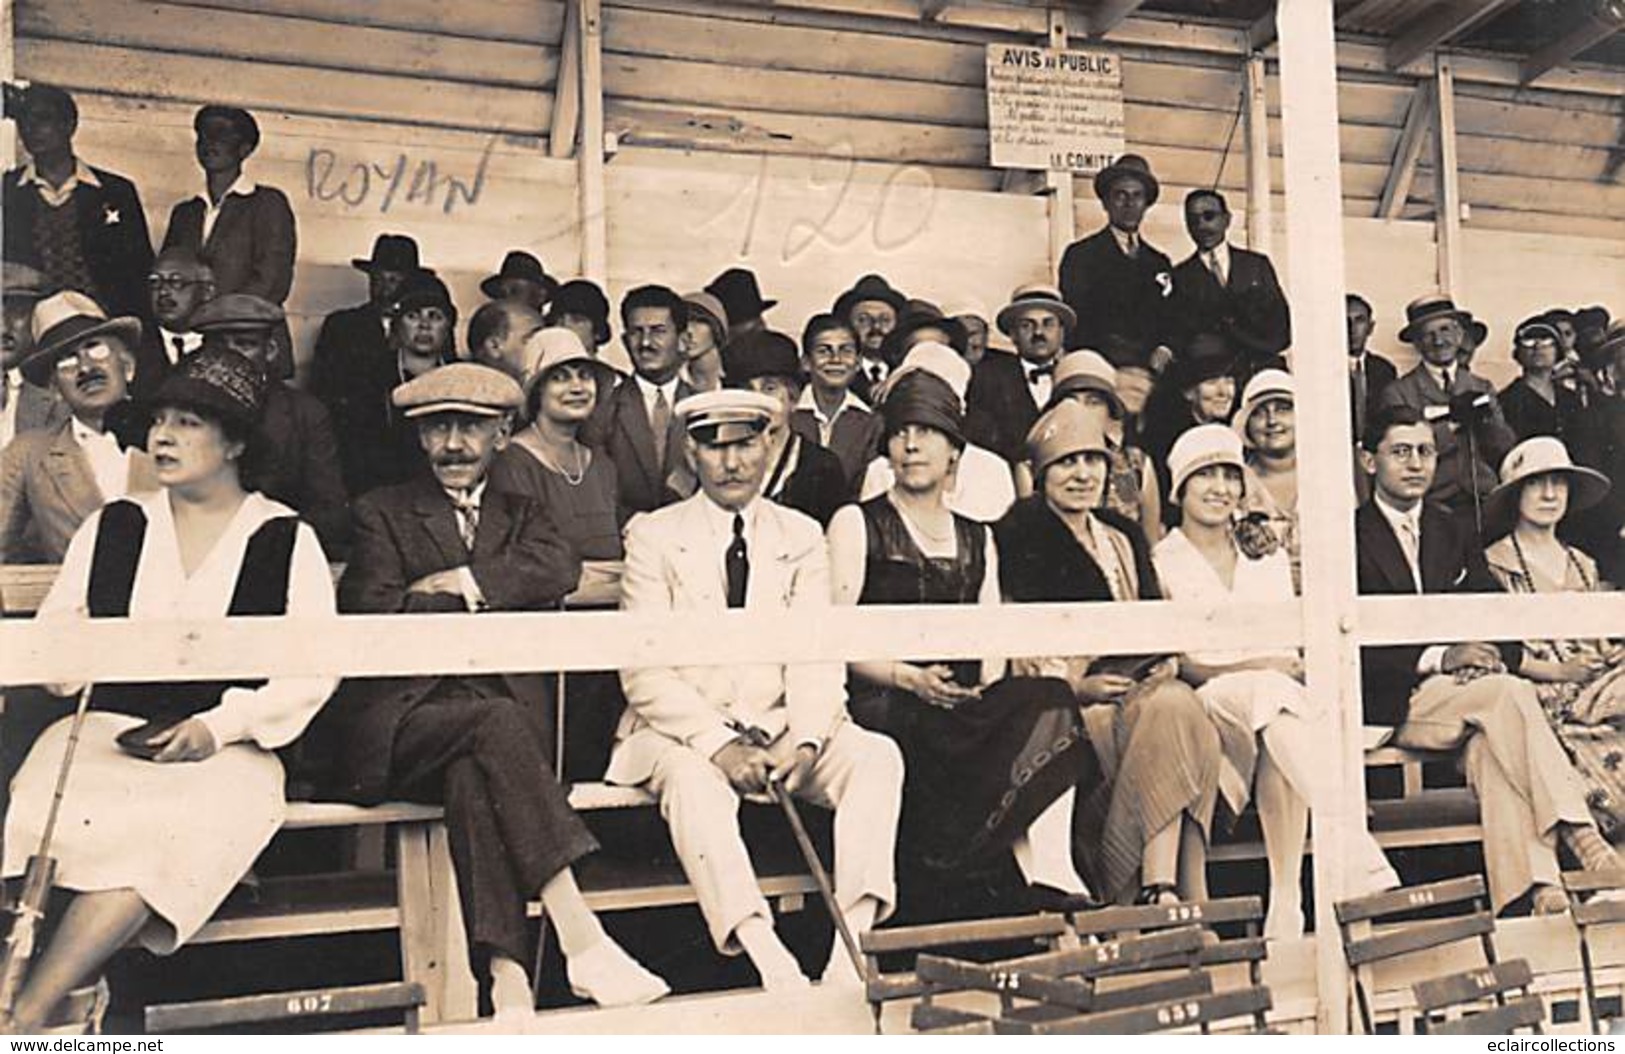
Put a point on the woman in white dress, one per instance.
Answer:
(1254, 697)
(156, 829)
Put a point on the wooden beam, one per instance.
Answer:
(1446, 179)
(1109, 14)
(1062, 219)
(1440, 25)
(594, 221)
(1261, 34)
(1604, 21)
(1260, 196)
(1402, 170)
(561, 135)
(1316, 279)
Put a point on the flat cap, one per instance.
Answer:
(460, 387)
(235, 312)
(18, 281)
(727, 415)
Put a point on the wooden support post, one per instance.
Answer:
(1314, 210)
(561, 135)
(594, 222)
(1260, 194)
(1402, 170)
(1062, 221)
(1446, 184)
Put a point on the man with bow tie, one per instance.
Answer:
(1008, 391)
(480, 745)
(1467, 694)
(699, 737)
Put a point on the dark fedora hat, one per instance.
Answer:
(1204, 357)
(581, 297)
(740, 295)
(64, 319)
(522, 265)
(1129, 166)
(922, 315)
(869, 287)
(763, 353)
(1426, 308)
(392, 252)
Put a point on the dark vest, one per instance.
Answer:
(262, 589)
(897, 572)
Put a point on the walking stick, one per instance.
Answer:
(38, 879)
(781, 794)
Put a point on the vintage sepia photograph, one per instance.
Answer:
(812, 517)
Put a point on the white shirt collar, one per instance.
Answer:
(81, 174)
(720, 521)
(1221, 253)
(1126, 240)
(474, 496)
(649, 388)
(1396, 517)
(190, 342)
(1438, 373)
(849, 401)
(243, 187)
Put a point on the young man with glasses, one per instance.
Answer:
(1467, 694)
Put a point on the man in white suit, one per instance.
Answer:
(700, 736)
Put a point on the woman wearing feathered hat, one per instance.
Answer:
(175, 787)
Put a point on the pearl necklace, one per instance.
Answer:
(546, 457)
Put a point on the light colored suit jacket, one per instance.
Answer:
(47, 489)
(673, 564)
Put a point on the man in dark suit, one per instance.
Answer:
(1007, 391)
(297, 458)
(244, 231)
(638, 430)
(1468, 429)
(801, 474)
(1370, 374)
(1466, 694)
(477, 744)
(24, 405)
(179, 284)
(1230, 291)
(1116, 284)
(358, 334)
(81, 227)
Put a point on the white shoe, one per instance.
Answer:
(608, 976)
(792, 981)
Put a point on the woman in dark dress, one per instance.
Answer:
(547, 462)
(1539, 403)
(995, 763)
(1145, 827)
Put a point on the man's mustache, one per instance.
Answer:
(448, 460)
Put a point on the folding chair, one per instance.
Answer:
(1050, 931)
(1593, 912)
(1243, 913)
(1364, 945)
(1065, 983)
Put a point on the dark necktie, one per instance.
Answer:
(1035, 372)
(660, 423)
(180, 348)
(737, 564)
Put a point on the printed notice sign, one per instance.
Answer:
(1053, 109)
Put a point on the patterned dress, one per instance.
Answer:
(1594, 739)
